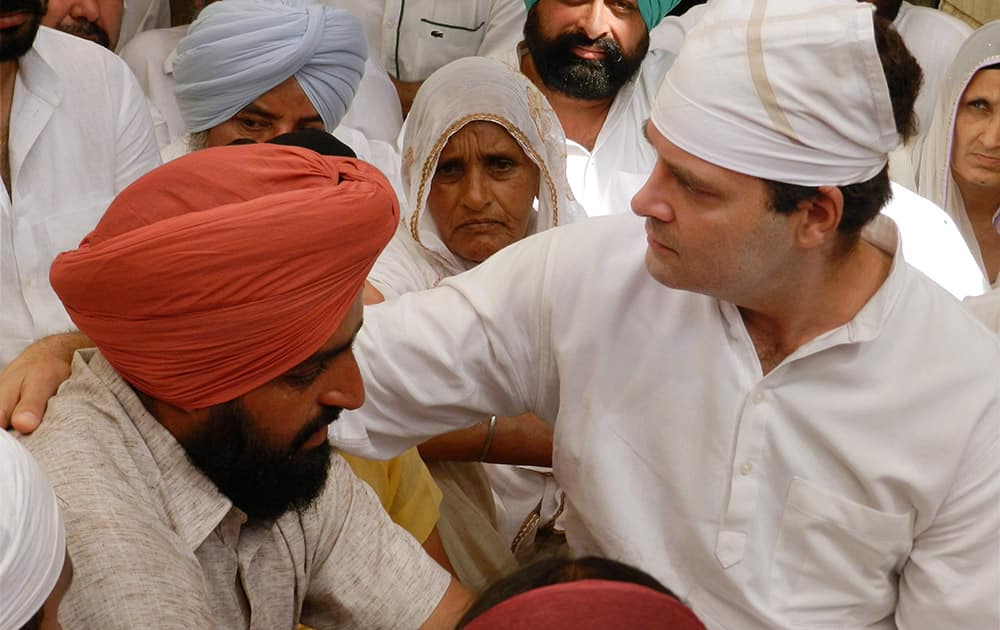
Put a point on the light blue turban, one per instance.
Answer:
(239, 49)
(652, 10)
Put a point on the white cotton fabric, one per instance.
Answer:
(239, 49)
(788, 90)
(32, 539)
(467, 90)
(925, 167)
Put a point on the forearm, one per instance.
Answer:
(522, 440)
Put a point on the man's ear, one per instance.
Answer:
(819, 217)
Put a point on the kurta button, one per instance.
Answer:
(746, 468)
(757, 397)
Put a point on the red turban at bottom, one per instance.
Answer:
(223, 269)
(588, 605)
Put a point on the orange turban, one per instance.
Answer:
(223, 269)
(586, 604)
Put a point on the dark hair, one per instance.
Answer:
(556, 571)
(864, 200)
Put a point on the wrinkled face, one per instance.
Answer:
(586, 49)
(280, 110)
(709, 229)
(975, 149)
(19, 22)
(100, 21)
(482, 192)
(267, 450)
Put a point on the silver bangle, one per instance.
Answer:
(489, 439)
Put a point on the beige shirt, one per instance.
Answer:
(155, 544)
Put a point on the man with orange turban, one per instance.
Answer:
(189, 449)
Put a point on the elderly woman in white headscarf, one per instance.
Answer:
(956, 164)
(35, 570)
(483, 167)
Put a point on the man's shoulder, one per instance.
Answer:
(914, 23)
(86, 444)
(74, 58)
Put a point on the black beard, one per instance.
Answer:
(87, 30)
(16, 41)
(586, 79)
(261, 481)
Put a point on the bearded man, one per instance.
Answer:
(189, 449)
(100, 21)
(74, 131)
(592, 62)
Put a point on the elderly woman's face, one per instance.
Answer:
(482, 192)
(975, 153)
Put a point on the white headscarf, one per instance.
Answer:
(32, 540)
(239, 49)
(787, 90)
(929, 172)
(467, 90)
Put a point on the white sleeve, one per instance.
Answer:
(504, 29)
(137, 151)
(450, 357)
(952, 576)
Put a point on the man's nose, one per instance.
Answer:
(85, 10)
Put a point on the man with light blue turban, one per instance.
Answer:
(592, 62)
(257, 69)
(238, 50)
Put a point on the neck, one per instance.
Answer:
(581, 119)
(981, 202)
(8, 75)
(816, 300)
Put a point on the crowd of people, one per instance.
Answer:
(499, 314)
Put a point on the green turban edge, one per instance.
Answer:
(652, 10)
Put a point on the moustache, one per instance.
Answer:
(27, 6)
(324, 419)
(87, 30)
(606, 45)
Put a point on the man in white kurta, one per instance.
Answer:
(850, 479)
(80, 132)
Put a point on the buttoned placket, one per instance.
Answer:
(751, 429)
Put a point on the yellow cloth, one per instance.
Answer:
(405, 488)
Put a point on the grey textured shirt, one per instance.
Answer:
(155, 544)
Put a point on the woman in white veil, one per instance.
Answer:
(930, 164)
(490, 514)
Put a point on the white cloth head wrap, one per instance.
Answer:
(786, 90)
(931, 153)
(239, 49)
(32, 540)
(467, 90)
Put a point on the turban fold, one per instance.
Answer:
(652, 10)
(586, 605)
(786, 90)
(239, 49)
(32, 539)
(223, 269)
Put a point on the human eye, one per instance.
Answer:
(251, 124)
(303, 376)
(623, 6)
(978, 104)
(501, 164)
(448, 170)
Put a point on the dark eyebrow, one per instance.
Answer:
(257, 110)
(326, 355)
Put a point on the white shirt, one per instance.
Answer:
(672, 30)
(374, 111)
(80, 132)
(933, 38)
(413, 38)
(855, 485)
(605, 179)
